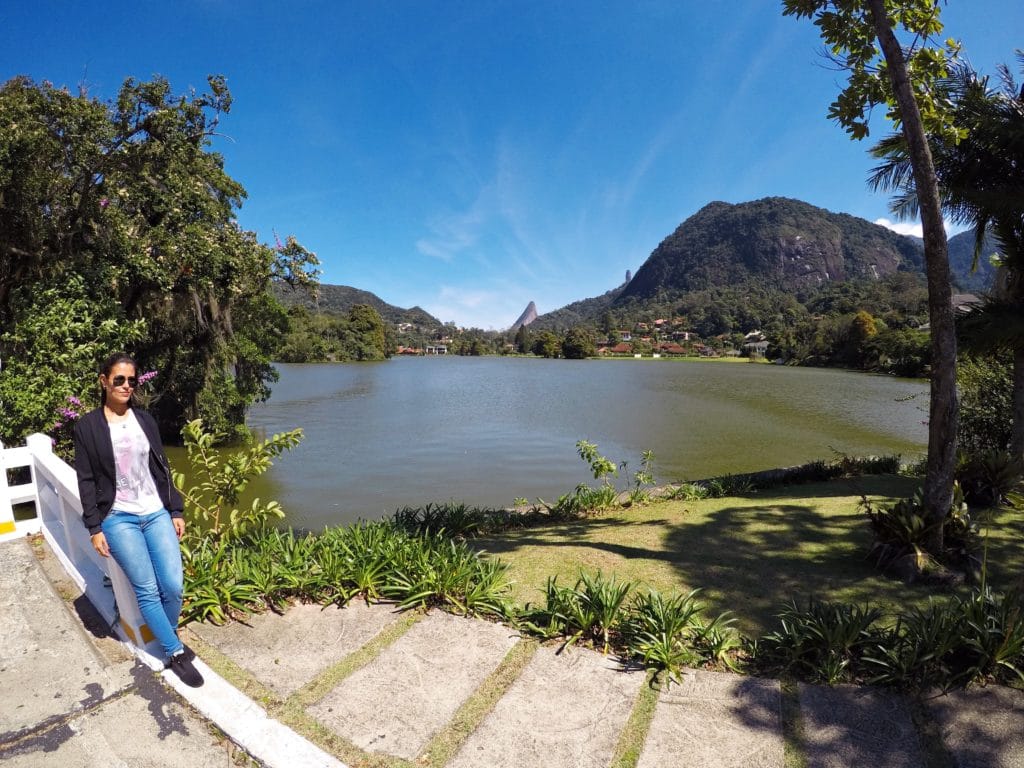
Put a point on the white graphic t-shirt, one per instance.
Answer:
(136, 491)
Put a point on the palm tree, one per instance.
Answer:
(981, 180)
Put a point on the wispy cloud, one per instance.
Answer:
(621, 194)
(477, 307)
(453, 233)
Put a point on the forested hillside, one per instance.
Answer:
(339, 299)
(776, 242)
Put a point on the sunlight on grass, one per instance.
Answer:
(750, 554)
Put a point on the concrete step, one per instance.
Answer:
(982, 727)
(850, 725)
(64, 703)
(564, 711)
(569, 709)
(286, 651)
(715, 720)
(410, 691)
(45, 658)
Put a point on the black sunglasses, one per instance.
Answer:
(118, 381)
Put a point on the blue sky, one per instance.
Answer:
(469, 157)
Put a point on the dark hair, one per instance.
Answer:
(108, 365)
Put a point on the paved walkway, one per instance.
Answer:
(371, 686)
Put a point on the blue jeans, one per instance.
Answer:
(146, 548)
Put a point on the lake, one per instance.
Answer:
(379, 436)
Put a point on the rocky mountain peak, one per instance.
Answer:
(528, 316)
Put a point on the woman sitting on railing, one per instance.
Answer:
(131, 507)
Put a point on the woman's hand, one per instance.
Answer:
(99, 543)
(179, 526)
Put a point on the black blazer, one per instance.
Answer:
(94, 465)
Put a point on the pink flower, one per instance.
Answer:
(74, 400)
(104, 202)
(147, 376)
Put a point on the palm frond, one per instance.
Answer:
(995, 324)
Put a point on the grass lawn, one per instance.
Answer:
(749, 554)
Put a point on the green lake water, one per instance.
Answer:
(409, 431)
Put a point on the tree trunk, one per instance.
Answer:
(943, 408)
(1017, 434)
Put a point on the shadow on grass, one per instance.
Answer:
(754, 560)
(893, 486)
(751, 557)
(578, 533)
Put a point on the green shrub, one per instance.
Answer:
(219, 478)
(989, 476)
(667, 634)
(592, 609)
(454, 518)
(952, 643)
(689, 492)
(823, 642)
(985, 384)
(433, 570)
(901, 531)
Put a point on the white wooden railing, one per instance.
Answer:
(53, 490)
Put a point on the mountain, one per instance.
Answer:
(777, 248)
(528, 316)
(961, 256)
(585, 311)
(776, 242)
(339, 299)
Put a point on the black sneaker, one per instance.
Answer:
(181, 665)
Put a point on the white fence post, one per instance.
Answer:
(15, 458)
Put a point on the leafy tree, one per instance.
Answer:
(986, 392)
(547, 344)
(902, 351)
(125, 216)
(367, 337)
(861, 36)
(49, 354)
(641, 347)
(863, 328)
(981, 184)
(522, 341)
(578, 344)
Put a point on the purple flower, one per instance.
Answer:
(146, 377)
(104, 202)
(74, 400)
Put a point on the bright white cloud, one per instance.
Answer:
(902, 227)
(909, 227)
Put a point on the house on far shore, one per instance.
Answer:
(755, 344)
(436, 349)
(962, 304)
(622, 348)
(704, 350)
(965, 302)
